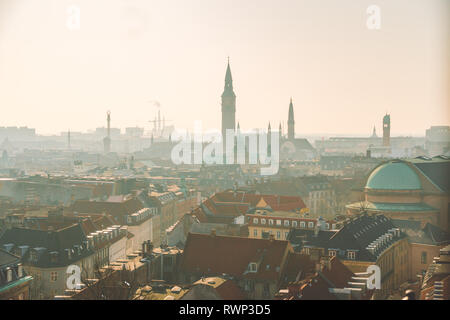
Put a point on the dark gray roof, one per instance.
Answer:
(300, 238)
(429, 234)
(437, 170)
(359, 233)
(355, 235)
(7, 258)
(47, 242)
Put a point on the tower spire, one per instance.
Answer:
(291, 122)
(228, 104)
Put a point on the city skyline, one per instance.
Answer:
(126, 54)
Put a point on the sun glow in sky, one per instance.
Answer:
(342, 76)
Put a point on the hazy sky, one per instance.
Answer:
(342, 76)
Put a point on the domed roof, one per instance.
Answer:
(394, 176)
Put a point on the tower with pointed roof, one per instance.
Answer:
(291, 122)
(387, 130)
(228, 103)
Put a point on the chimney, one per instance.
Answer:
(9, 274)
(144, 247)
(20, 270)
(271, 238)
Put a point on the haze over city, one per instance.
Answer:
(126, 55)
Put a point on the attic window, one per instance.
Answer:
(351, 255)
(33, 256)
(252, 267)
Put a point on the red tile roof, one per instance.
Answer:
(231, 204)
(212, 255)
(117, 209)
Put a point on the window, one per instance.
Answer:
(286, 235)
(266, 290)
(255, 220)
(327, 225)
(278, 234)
(270, 222)
(33, 256)
(302, 224)
(310, 225)
(423, 257)
(332, 253)
(351, 255)
(255, 232)
(53, 276)
(263, 221)
(278, 222)
(286, 223)
(252, 267)
(294, 224)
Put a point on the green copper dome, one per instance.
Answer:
(393, 176)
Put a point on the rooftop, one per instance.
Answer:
(394, 175)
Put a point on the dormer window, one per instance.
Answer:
(252, 267)
(54, 257)
(33, 256)
(332, 253)
(351, 255)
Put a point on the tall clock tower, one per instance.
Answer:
(228, 104)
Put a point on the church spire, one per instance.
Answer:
(228, 105)
(228, 89)
(291, 122)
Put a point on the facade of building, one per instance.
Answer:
(425, 242)
(437, 140)
(436, 282)
(263, 222)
